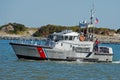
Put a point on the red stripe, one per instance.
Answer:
(41, 52)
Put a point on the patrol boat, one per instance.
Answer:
(66, 45)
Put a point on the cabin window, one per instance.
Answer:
(104, 50)
(60, 37)
(70, 37)
(50, 37)
(66, 37)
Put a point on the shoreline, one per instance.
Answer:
(109, 42)
(102, 39)
(109, 39)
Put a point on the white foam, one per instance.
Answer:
(117, 62)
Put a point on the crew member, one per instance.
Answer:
(96, 44)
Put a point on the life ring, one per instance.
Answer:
(82, 38)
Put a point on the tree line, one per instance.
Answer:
(44, 31)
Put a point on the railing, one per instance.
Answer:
(43, 42)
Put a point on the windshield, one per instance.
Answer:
(60, 37)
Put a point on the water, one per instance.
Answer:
(13, 69)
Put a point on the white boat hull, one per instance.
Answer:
(36, 52)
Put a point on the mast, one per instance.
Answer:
(92, 11)
(90, 31)
(91, 18)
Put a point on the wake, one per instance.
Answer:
(117, 62)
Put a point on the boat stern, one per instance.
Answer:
(104, 54)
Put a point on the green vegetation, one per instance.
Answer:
(18, 28)
(104, 31)
(118, 31)
(48, 29)
(13, 28)
(43, 31)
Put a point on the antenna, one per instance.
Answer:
(92, 11)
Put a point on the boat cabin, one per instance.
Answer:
(64, 35)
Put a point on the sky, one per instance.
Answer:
(37, 13)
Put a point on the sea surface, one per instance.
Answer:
(13, 69)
